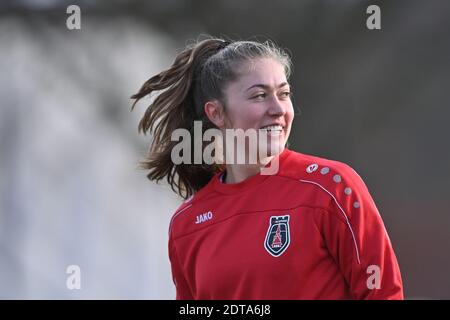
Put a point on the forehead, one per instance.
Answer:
(260, 71)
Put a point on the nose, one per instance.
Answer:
(276, 107)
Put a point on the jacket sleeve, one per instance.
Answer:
(357, 239)
(181, 285)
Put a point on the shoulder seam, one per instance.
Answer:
(342, 211)
(176, 214)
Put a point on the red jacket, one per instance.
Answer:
(311, 231)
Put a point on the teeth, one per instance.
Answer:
(273, 128)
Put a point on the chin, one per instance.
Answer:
(272, 148)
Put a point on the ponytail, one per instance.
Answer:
(173, 109)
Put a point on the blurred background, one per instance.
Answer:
(70, 189)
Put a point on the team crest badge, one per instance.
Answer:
(278, 236)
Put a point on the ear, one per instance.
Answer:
(215, 113)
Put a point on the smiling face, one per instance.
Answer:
(261, 99)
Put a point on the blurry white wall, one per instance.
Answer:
(70, 190)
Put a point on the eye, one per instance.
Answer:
(287, 93)
(263, 95)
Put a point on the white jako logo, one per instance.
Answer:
(204, 217)
(312, 167)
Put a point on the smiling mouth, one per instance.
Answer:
(272, 129)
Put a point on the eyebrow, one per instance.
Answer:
(265, 86)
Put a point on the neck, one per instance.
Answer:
(239, 172)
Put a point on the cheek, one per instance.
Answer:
(247, 117)
(290, 114)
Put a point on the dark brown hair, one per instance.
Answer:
(199, 74)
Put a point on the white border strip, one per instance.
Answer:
(343, 212)
(176, 214)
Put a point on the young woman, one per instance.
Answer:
(307, 230)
